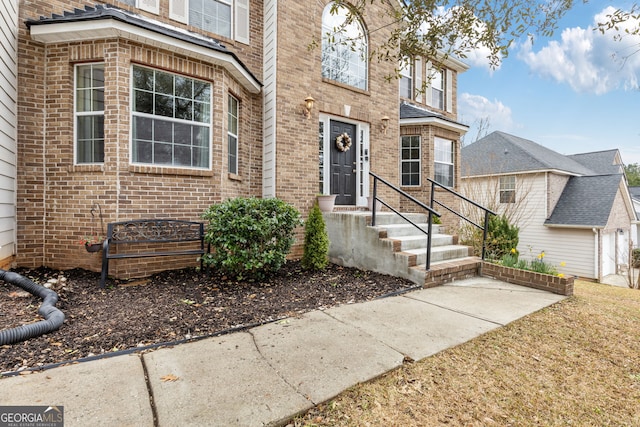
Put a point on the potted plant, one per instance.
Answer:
(326, 202)
(92, 243)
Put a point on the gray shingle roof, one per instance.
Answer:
(106, 11)
(602, 162)
(501, 152)
(409, 111)
(586, 201)
(635, 192)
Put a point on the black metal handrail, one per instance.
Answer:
(487, 211)
(429, 209)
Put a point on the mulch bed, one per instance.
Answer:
(169, 307)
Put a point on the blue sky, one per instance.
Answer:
(572, 93)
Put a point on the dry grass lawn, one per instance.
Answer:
(576, 363)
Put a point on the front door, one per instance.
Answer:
(343, 162)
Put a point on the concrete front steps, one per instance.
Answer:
(394, 246)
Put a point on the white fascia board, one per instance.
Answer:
(584, 227)
(436, 121)
(528, 172)
(68, 32)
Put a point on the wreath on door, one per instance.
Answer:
(343, 142)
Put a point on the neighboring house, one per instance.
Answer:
(635, 196)
(8, 125)
(575, 208)
(160, 108)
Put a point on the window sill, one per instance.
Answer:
(234, 177)
(93, 167)
(345, 86)
(158, 170)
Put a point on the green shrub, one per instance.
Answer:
(502, 237)
(316, 241)
(250, 238)
(636, 258)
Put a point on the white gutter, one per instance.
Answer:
(68, 32)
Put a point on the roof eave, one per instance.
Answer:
(436, 121)
(575, 226)
(76, 31)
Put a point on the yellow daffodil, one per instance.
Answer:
(561, 275)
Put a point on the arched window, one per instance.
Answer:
(344, 47)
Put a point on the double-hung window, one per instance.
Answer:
(89, 113)
(437, 89)
(508, 189)
(232, 134)
(406, 81)
(227, 18)
(410, 160)
(171, 119)
(211, 15)
(444, 161)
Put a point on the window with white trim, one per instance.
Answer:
(437, 89)
(228, 18)
(89, 113)
(406, 81)
(410, 160)
(444, 161)
(344, 47)
(508, 189)
(232, 133)
(171, 119)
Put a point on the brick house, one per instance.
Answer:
(160, 108)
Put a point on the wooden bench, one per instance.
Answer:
(145, 233)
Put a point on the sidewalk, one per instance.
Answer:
(266, 375)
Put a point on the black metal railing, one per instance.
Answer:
(430, 210)
(487, 211)
(409, 197)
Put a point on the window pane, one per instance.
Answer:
(143, 78)
(164, 126)
(184, 109)
(162, 131)
(143, 102)
(164, 83)
(344, 49)
(164, 105)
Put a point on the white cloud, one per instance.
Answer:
(475, 108)
(588, 61)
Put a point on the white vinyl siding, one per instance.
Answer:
(269, 99)
(8, 125)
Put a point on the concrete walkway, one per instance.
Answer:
(266, 375)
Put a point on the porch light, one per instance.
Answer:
(385, 124)
(308, 106)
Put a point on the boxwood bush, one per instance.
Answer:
(250, 237)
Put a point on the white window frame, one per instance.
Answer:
(205, 124)
(77, 114)
(240, 30)
(438, 92)
(335, 51)
(507, 185)
(407, 75)
(231, 118)
(411, 160)
(437, 160)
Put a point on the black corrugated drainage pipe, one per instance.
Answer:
(53, 317)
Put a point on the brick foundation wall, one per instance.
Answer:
(545, 282)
